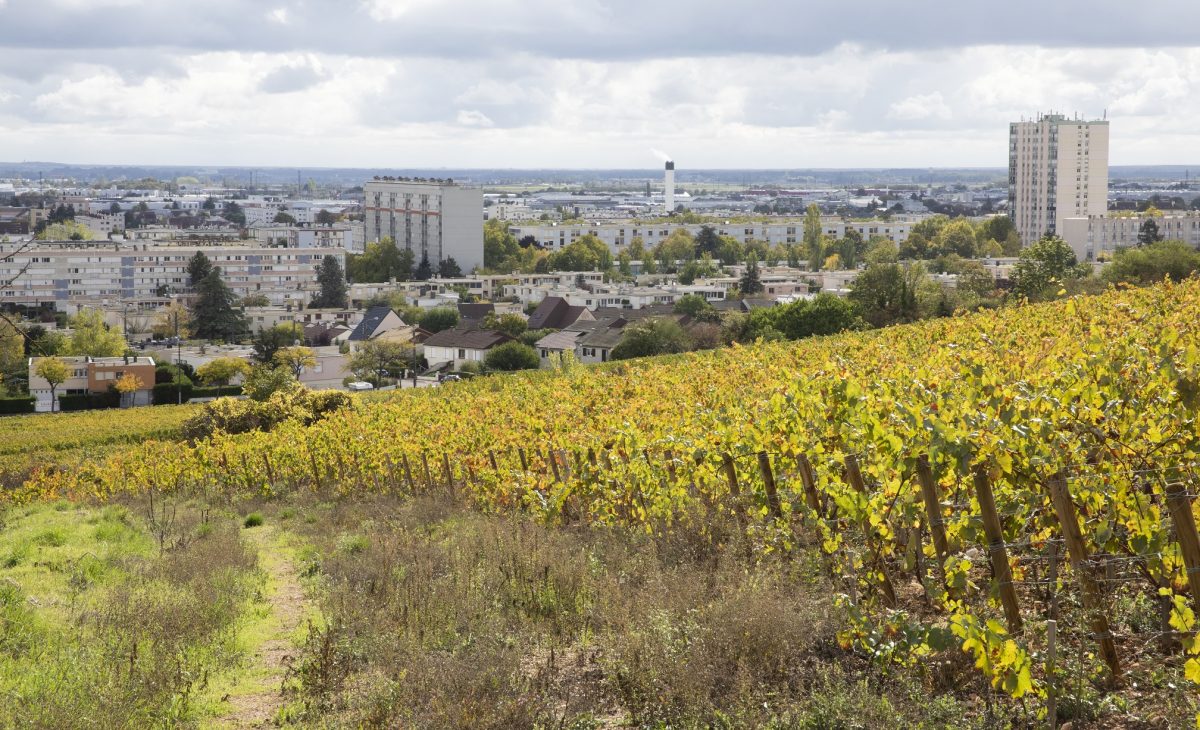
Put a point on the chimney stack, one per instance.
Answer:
(669, 189)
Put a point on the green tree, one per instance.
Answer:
(814, 244)
(263, 381)
(439, 319)
(326, 218)
(513, 325)
(234, 213)
(1151, 263)
(269, 341)
(974, 279)
(501, 250)
(679, 246)
(652, 337)
(12, 351)
(825, 314)
(284, 218)
(91, 336)
(750, 284)
(55, 372)
(586, 253)
(449, 269)
(1148, 233)
(333, 285)
(696, 269)
(707, 241)
(375, 357)
(511, 356)
(198, 267)
(888, 293)
(67, 230)
(696, 307)
(256, 300)
(1044, 268)
(956, 237)
(214, 312)
(424, 270)
(221, 370)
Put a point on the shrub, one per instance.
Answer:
(171, 393)
(512, 356)
(242, 416)
(89, 401)
(22, 404)
(254, 519)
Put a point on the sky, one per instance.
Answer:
(587, 83)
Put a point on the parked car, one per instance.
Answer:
(360, 385)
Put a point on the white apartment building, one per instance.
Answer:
(619, 235)
(335, 236)
(432, 218)
(1057, 169)
(1099, 236)
(75, 273)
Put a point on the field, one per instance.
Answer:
(967, 522)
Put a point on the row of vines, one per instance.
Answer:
(998, 459)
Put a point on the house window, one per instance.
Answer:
(462, 354)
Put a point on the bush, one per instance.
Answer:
(254, 519)
(89, 401)
(170, 393)
(23, 404)
(216, 391)
(242, 416)
(512, 356)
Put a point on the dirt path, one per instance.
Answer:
(253, 698)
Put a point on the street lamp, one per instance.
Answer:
(178, 361)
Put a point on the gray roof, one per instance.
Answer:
(607, 337)
(475, 311)
(467, 338)
(555, 313)
(564, 340)
(370, 322)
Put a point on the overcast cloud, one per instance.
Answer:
(586, 83)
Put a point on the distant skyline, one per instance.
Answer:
(587, 83)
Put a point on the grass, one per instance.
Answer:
(97, 620)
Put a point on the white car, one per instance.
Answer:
(360, 385)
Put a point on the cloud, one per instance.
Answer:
(920, 106)
(278, 16)
(473, 118)
(288, 79)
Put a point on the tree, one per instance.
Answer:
(652, 337)
(234, 213)
(679, 246)
(1044, 267)
(449, 268)
(696, 307)
(438, 319)
(333, 285)
(172, 320)
(1148, 233)
(424, 270)
(198, 267)
(12, 351)
(813, 240)
(888, 293)
(67, 230)
(221, 370)
(377, 357)
(214, 316)
(707, 241)
(975, 279)
(513, 325)
(382, 261)
(127, 385)
(284, 218)
(750, 283)
(501, 250)
(55, 372)
(586, 253)
(268, 342)
(295, 359)
(90, 335)
(1151, 263)
(956, 237)
(325, 218)
(256, 300)
(511, 356)
(825, 314)
(696, 269)
(210, 203)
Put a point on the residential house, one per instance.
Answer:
(95, 376)
(556, 313)
(554, 345)
(471, 316)
(456, 347)
(376, 322)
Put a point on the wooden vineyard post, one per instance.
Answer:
(933, 512)
(1064, 508)
(492, 459)
(412, 489)
(855, 479)
(735, 491)
(428, 473)
(996, 550)
(810, 484)
(449, 473)
(591, 456)
(1180, 506)
(550, 458)
(764, 466)
(524, 461)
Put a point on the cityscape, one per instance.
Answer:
(598, 365)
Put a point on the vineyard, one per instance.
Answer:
(1016, 484)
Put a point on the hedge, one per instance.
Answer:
(87, 402)
(22, 404)
(216, 391)
(169, 393)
